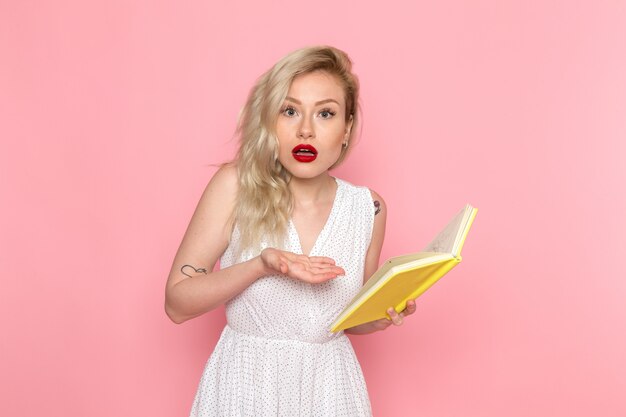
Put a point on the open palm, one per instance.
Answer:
(312, 269)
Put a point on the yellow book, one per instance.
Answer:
(407, 277)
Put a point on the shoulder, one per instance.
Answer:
(379, 203)
(223, 186)
(218, 198)
(369, 197)
(380, 214)
(225, 179)
(379, 210)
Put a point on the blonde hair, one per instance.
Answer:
(264, 201)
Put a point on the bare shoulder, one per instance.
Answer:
(379, 203)
(225, 179)
(217, 203)
(221, 191)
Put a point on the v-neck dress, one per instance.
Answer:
(276, 355)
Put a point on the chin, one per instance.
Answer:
(305, 171)
(308, 170)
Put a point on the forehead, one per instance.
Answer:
(316, 86)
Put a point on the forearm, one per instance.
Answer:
(364, 328)
(197, 295)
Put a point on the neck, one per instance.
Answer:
(312, 190)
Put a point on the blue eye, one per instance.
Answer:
(327, 113)
(288, 111)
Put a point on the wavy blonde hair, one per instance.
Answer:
(264, 201)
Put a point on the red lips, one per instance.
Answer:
(304, 153)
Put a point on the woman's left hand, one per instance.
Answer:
(396, 319)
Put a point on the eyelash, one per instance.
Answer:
(329, 111)
(284, 109)
(326, 110)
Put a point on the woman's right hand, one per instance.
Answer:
(311, 269)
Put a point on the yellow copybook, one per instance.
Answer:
(406, 277)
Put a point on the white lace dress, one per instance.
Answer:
(276, 356)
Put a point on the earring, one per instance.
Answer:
(345, 144)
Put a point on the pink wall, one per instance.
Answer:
(112, 111)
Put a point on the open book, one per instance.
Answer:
(406, 277)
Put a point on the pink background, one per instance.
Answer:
(112, 112)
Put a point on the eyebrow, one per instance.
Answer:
(328, 100)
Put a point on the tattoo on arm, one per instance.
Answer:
(200, 270)
(377, 206)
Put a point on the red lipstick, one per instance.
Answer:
(304, 153)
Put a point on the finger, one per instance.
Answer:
(318, 262)
(319, 278)
(411, 306)
(333, 269)
(327, 268)
(322, 259)
(395, 317)
(337, 271)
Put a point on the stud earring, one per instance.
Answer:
(345, 144)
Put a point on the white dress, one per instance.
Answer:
(276, 355)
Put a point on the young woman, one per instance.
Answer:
(295, 245)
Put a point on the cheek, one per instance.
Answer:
(334, 132)
(333, 149)
(280, 130)
(282, 137)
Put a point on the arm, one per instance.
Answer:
(371, 265)
(378, 236)
(204, 242)
(207, 238)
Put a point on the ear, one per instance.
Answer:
(349, 126)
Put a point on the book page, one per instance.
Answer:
(445, 241)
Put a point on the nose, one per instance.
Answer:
(305, 130)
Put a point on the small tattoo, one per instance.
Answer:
(377, 205)
(182, 269)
